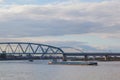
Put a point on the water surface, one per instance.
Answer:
(40, 70)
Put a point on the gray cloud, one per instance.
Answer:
(78, 46)
(60, 19)
(75, 46)
(1, 1)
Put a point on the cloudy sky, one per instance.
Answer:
(90, 25)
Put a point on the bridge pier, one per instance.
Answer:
(64, 58)
(86, 57)
(106, 57)
(30, 57)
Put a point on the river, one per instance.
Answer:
(40, 70)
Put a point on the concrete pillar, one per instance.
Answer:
(64, 58)
(106, 57)
(30, 57)
(86, 57)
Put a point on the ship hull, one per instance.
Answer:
(73, 63)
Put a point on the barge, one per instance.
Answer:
(73, 63)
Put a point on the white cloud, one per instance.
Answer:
(1, 1)
(27, 23)
(60, 19)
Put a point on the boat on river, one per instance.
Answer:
(73, 63)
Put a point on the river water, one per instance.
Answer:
(40, 70)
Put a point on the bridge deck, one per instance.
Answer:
(92, 54)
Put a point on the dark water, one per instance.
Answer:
(40, 70)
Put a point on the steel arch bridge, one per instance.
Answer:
(28, 48)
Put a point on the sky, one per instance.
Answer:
(90, 25)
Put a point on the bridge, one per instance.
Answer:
(21, 49)
(86, 55)
(35, 50)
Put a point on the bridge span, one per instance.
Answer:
(20, 49)
(29, 49)
(92, 54)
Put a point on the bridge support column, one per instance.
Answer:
(106, 57)
(64, 58)
(30, 57)
(86, 57)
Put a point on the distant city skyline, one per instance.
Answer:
(91, 25)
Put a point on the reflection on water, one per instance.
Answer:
(40, 70)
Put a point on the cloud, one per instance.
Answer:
(60, 19)
(1, 1)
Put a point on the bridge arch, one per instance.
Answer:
(28, 48)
